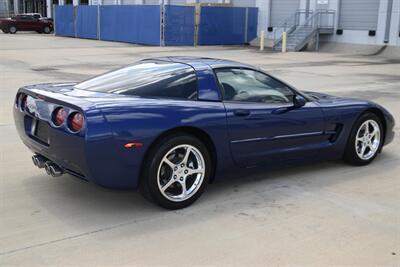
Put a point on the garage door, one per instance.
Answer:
(358, 14)
(281, 9)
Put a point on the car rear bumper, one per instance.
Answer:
(65, 150)
(92, 154)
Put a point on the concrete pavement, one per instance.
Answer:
(321, 214)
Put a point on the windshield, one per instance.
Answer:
(147, 78)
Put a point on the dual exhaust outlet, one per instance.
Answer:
(50, 167)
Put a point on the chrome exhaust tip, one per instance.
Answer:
(47, 167)
(39, 161)
(53, 169)
(34, 160)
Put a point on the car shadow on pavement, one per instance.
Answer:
(86, 209)
(68, 194)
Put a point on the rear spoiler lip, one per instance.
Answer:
(58, 98)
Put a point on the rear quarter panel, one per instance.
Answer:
(143, 120)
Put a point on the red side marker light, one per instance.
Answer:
(133, 145)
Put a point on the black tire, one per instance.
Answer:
(46, 30)
(12, 29)
(149, 185)
(351, 156)
(5, 30)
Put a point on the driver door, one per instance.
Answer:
(263, 124)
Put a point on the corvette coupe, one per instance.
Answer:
(168, 126)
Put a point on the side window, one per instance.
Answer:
(25, 17)
(252, 86)
(148, 78)
(181, 85)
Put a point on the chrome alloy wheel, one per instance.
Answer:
(368, 139)
(181, 173)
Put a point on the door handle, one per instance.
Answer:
(241, 112)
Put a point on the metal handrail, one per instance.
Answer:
(312, 21)
(289, 24)
(315, 21)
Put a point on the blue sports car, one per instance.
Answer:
(169, 125)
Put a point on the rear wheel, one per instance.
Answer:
(46, 30)
(177, 172)
(12, 29)
(365, 141)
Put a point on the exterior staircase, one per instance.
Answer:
(302, 28)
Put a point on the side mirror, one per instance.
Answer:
(299, 101)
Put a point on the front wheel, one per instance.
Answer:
(12, 29)
(177, 172)
(366, 140)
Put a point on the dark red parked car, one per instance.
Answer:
(25, 22)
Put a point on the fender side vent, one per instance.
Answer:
(338, 130)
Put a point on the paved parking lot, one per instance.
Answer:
(321, 214)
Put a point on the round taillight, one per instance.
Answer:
(76, 122)
(59, 116)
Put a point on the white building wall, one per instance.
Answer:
(348, 36)
(361, 36)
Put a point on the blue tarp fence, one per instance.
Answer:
(65, 25)
(252, 23)
(221, 25)
(227, 25)
(87, 22)
(139, 24)
(179, 25)
(142, 24)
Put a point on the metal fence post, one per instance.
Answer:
(246, 26)
(197, 20)
(75, 9)
(162, 24)
(54, 19)
(98, 22)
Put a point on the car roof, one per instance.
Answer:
(212, 62)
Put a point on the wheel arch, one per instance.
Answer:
(374, 110)
(200, 134)
(377, 112)
(380, 115)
